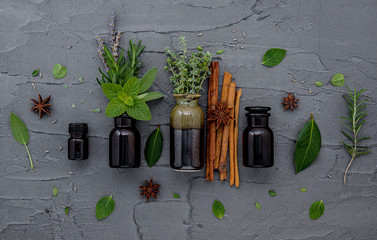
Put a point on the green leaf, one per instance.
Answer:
(308, 145)
(176, 196)
(82, 101)
(66, 86)
(73, 105)
(96, 110)
(115, 108)
(272, 193)
(153, 147)
(257, 205)
(122, 96)
(129, 101)
(55, 191)
(80, 79)
(105, 206)
(20, 133)
(111, 90)
(218, 209)
(147, 80)
(132, 86)
(338, 80)
(35, 73)
(303, 189)
(318, 84)
(150, 96)
(66, 210)
(199, 48)
(219, 52)
(316, 210)
(273, 56)
(59, 71)
(139, 111)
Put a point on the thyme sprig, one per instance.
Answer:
(354, 123)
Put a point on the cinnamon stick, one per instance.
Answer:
(223, 99)
(231, 147)
(208, 147)
(214, 88)
(225, 140)
(236, 111)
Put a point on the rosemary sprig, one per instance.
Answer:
(354, 123)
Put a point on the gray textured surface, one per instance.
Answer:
(321, 37)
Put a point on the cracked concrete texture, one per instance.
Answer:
(321, 38)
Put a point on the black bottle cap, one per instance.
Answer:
(78, 128)
(258, 111)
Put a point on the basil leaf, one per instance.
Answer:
(218, 209)
(132, 86)
(20, 133)
(273, 56)
(338, 80)
(153, 147)
(55, 191)
(111, 90)
(147, 80)
(318, 84)
(115, 108)
(220, 52)
(105, 206)
(35, 73)
(308, 145)
(152, 96)
(129, 101)
(303, 189)
(316, 210)
(176, 196)
(272, 193)
(66, 210)
(139, 111)
(257, 205)
(59, 71)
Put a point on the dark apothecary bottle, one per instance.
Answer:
(257, 139)
(124, 143)
(78, 144)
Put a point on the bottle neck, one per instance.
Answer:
(123, 121)
(188, 100)
(257, 121)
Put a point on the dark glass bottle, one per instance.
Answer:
(78, 144)
(258, 139)
(124, 143)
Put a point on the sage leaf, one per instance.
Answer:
(316, 210)
(115, 108)
(151, 96)
(139, 111)
(55, 191)
(153, 147)
(272, 193)
(176, 196)
(132, 87)
(105, 206)
(96, 110)
(35, 73)
(218, 209)
(111, 90)
(257, 205)
(303, 189)
(220, 52)
(338, 80)
(318, 84)
(20, 133)
(147, 80)
(66, 210)
(308, 145)
(199, 48)
(59, 71)
(273, 56)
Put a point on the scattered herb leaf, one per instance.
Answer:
(318, 84)
(80, 79)
(66, 210)
(20, 133)
(90, 91)
(153, 147)
(220, 52)
(105, 206)
(59, 71)
(73, 105)
(316, 210)
(218, 209)
(338, 80)
(35, 73)
(303, 189)
(257, 205)
(199, 48)
(97, 110)
(272, 193)
(273, 56)
(82, 101)
(65, 86)
(55, 191)
(176, 196)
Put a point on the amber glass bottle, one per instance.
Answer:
(258, 139)
(78, 144)
(124, 143)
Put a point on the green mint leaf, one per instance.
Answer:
(115, 108)
(151, 96)
(80, 79)
(273, 56)
(55, 191)
(303, 189)
(257, 205)
(338, 80)
(59, 71)
(176, 196)
(220, 52)
(35, 73)
(20, 133)
(318, 84)
(129, 101)
(199, 48)
(82, 101)
(132, 87)
(153, 147)
(272, 193)
(147, 80)
(105, 206)
(122, 96)
(73, 105)
(111, 90)
(96, 110)
(308, 145)
(316, 210)
(139, 111)
(218, 209)
(66, 210)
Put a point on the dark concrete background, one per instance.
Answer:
(321, 38)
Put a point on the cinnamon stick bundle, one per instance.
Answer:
(236, 111)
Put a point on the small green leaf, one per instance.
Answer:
(219, 52)
(111, 90)
(272, 193)
(96, 110)
(132, 87)
(199, 48)
(20, 133)
(82, 101)
(303, 189)
(105, 206)
(35, 73)
(90, 91)
(66, 210)
(129, 101)
(66, 86)
(80, 79)
(176, 196)
(218, 209)
(151, 96)
(338, 80)
(273, 56)
(115, 108)
(318, 84)
(153, 147)
(73, 105)
(122, 96)
(59, 71)
(55, 191)
(139, 111)
(257, 205)
(316, 210)
(147, 80)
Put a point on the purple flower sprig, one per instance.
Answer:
(100, 52)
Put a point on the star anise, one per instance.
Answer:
(41, 106)
(149, 189)
(290, 102)
(220, 114)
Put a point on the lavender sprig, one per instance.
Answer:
(100, 52)
(116, 44)
(112, 29)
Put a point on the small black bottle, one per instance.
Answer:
(258, 139)
(124, 143)
(78, 144)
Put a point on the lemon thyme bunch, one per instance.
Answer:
(189, 69)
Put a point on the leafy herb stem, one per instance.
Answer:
(28, 153)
